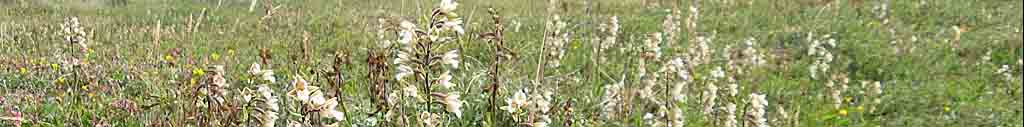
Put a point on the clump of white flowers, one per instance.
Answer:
(555, 42)
(711, 94)
(754, 57)
(613, 102)
(671, 26)
(758, 104)
(822, 57)
(266, 102)
(314, 101)
(610, 32)
(701, 52)
(428, 57)
(874, 90)
(74, 33)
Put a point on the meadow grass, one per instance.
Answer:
(147, 63)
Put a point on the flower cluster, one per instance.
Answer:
(314, 101)
(822, 56)
(75, 34)
(758, 104)
(267, 106)
(671, 26)
(555, 42)
(422, 55)
(605, 43)
(754, 57)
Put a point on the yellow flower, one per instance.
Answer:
(947, 109)
(60, 80)
(85, 87)
(198, 72)
(231, 52)
(168, 58)
(215, 56)
(860, 108)
(23, 71)
(848, 99)
(55, 66)
(843, 112)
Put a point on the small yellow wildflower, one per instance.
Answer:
(23, 71)
(215, 56)
(848, 99)
(198, 72)
(231, 52)
(860, 108)
(60, 80)
(168, 58)
(85, 87)
(55, 66)
(947, 109)
(843, 112)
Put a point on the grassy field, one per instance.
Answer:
(562, 63)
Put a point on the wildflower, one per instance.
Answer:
(540, 102)
(168, 58)
(730, 115)
(453, 25)
(294, 124)
(302, 91)
(612, 99)
(60, 80)
(753, 57)
(718, 73)
(451, 58)
(843, 112)
(447, 6)
(541, 121)
(218, 77)
(215, 56)
(23, 71)
(446, 80)
(266, 75)
(758, 104)
(407, 33)
(517, 101)
(653, 46)
(411, 91)
(269, 108)
(1006, 72)
(403, 71)
(947, 109)
(451, 102)
(327, 110)
(428, 119)
(198, 72)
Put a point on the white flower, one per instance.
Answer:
(518, 100)
(403, 71)
(758, 104)
(541, 103)
(541, 121)
(451, 102)
(266, 75)
(328, 110)
(718, 73)
(302, 91)
(451, 58)
(446, 80)
(447, 6)
(429, 119)
(294, 124)
(412, 91)
(407, 34)
(269, 115)
(454, 25)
